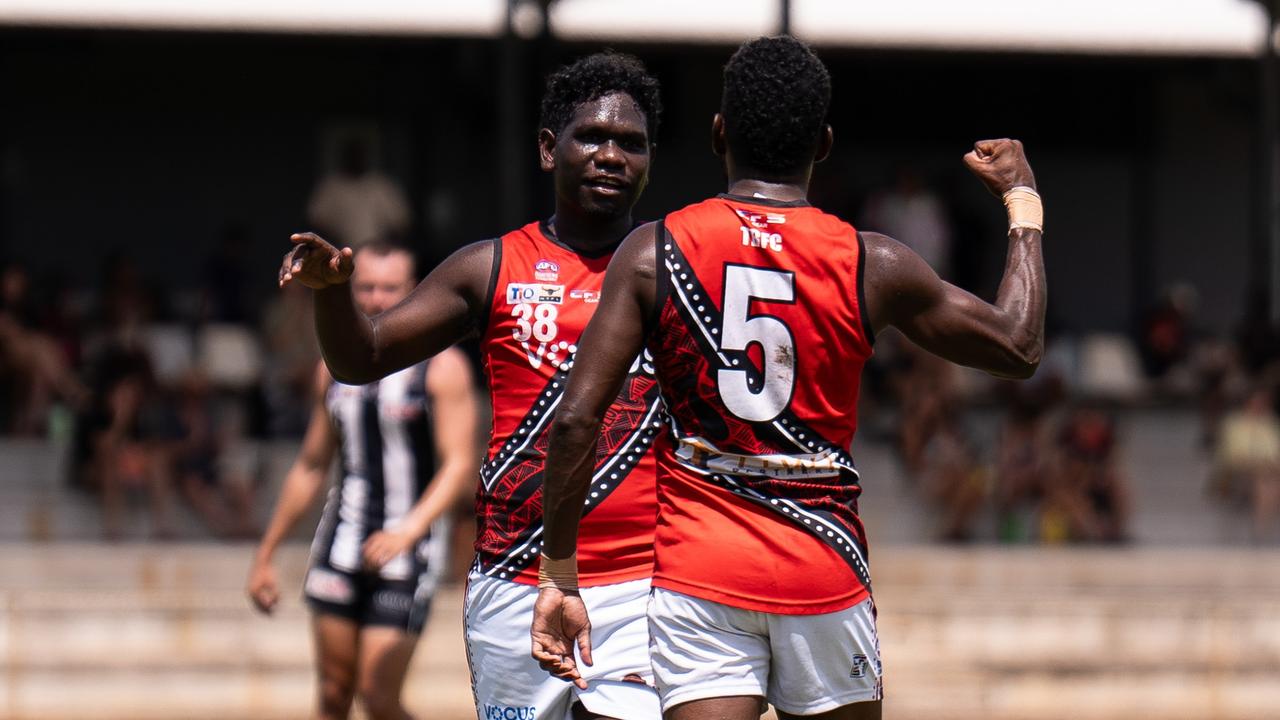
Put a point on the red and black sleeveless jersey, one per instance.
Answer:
(760, 340)
(543, 296)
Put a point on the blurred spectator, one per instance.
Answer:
(226, 285)
(1085, 497)
(1247, 459)
(1257, 341)
(925, 386)
(119, 441)
(915, 216)
(201, 457)
(1023, 454)
(288, 331)
(34, 369)
(957, 480)
(356, 203)
(1166, 335)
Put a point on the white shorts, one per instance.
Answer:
(802, 664)
(507, 681)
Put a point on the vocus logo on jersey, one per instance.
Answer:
(534, 293)
(546, 270)
(508, 712)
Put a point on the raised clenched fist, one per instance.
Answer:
(1001, 165)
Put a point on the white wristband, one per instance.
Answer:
(560, 574)
(1024, 208)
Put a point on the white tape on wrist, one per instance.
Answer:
(560, 574)
(1024, 208)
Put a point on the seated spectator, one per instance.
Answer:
(34, 369)
(957, 479)
(118, 446)
(1023, 455)
(218, 490)
(1085, 497)
(1247, 460)
(1165, 340)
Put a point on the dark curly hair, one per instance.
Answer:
(776, 94)
(593, 77)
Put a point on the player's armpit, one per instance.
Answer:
(1004, 338)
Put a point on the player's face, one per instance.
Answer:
(601, 158)
(378, 283)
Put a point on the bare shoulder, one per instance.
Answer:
(897, 279)
(637, 251)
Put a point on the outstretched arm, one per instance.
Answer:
(446, 307)
(611, 342)
(1005, 338)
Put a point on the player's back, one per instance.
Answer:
(762, 337)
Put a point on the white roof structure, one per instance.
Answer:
(1210, 28)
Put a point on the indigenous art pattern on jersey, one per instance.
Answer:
(543, 298)
(761, 337)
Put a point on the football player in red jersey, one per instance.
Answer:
(759, 311)
(527, 297)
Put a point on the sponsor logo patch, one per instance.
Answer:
(534, 293)
(586, 296)
(329, 586)
(396, 602)
(859, 666)
(507, 712)
(547, 271)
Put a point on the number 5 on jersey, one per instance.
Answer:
(743, 395)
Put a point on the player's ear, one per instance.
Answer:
(825, 140)
(546, 150)
(718, 145)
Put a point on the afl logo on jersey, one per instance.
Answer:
(546, 271)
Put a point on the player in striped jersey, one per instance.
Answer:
(759, 311)
(382, 540)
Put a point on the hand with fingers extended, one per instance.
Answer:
(383, 546)
(262, 588)
(315, 263)
(559, 623)
(1001, 165)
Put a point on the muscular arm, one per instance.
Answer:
(1005, 338)
(612, 340)
(446, 307)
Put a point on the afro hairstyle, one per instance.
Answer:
(776, 95)
(593, 77)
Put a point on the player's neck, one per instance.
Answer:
(783, 190)
(588, 234)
